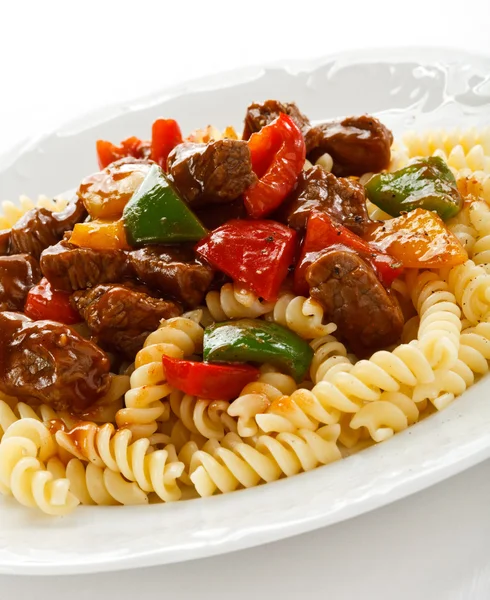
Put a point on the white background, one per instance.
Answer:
(61, 59)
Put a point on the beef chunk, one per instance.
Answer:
(342, 199)
(71, 268)
(4, 241)
(211, 173)
(367, 316)
(121, 317)
(215, 215)
(40, 228)
(18, 274)
(172, 270)
(261, 114)
(44, 361)
(357, 145)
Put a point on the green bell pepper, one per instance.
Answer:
(156, 215)
(251, 340)
(426, 183)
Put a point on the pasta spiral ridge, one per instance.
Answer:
(462, 227)
(176, 337)
(257, 397)
(480, 218)
(232, 463)
(152, 470)
(440, 323)
(91, 484)
(10, 213)
(20, 410)
(25, 447)
(470, 284)
(208, 418)
(302, 315)
(234, 302)
(427, 142)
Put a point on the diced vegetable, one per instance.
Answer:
(100, 235)
(165, 135)
(252, 340)
(107, 152)
(254, 253)
(106, 193)
(278, 155)
(204, 380)
(156, 215)
(322, 232)
(419, 240)
(427, 183)
(44, 303)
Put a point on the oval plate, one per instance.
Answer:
(408, 89)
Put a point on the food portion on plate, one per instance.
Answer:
(216, 311)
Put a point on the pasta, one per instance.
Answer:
(177, 337)
(147, 439)
(233, 302)
(152, 470)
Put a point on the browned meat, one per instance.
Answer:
(172, 270)
(40, 228)
(121, 317)
(215, 215)
(357, 145)
(261, 114)
(342, 199)
(18, 274)
(44, 361)
(4, 241)
(367, 317)
(211, 173)
(71, 268)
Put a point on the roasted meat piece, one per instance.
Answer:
(44, 361)
(18, 274)
(121, 317)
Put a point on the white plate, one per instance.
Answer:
(407, 89)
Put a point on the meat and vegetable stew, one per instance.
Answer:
(205, 275)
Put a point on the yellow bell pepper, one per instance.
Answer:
(420, 240)
(100, 235)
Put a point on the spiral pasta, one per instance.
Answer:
(302, 315)
(91, 484)
(10, 213)
(470, 284)
(177, 337)
(427, 142)
(232, 463)
(479, 214)
(152, 470)
(234, 302)
(440, 323)
(25, 447)
(462, 227)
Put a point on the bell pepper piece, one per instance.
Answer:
(204, 380)
(106, 193)
(165, 135)
(107, 152)
(322, 232)
(45, 303)
(254, 253)
(156, 215)
(427, 183)
(252, 340)
(100, 235)
(278, 154)
(419, 240)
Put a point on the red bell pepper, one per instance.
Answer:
(165, 135)
(107, 152)
(278, 154)
(323, 232)
(206, 380)
(254, 253)
(44, 303)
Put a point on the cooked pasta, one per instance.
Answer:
(302, 315)
(159, 430)
(176, 337)
(152, 470)
(234, 302)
